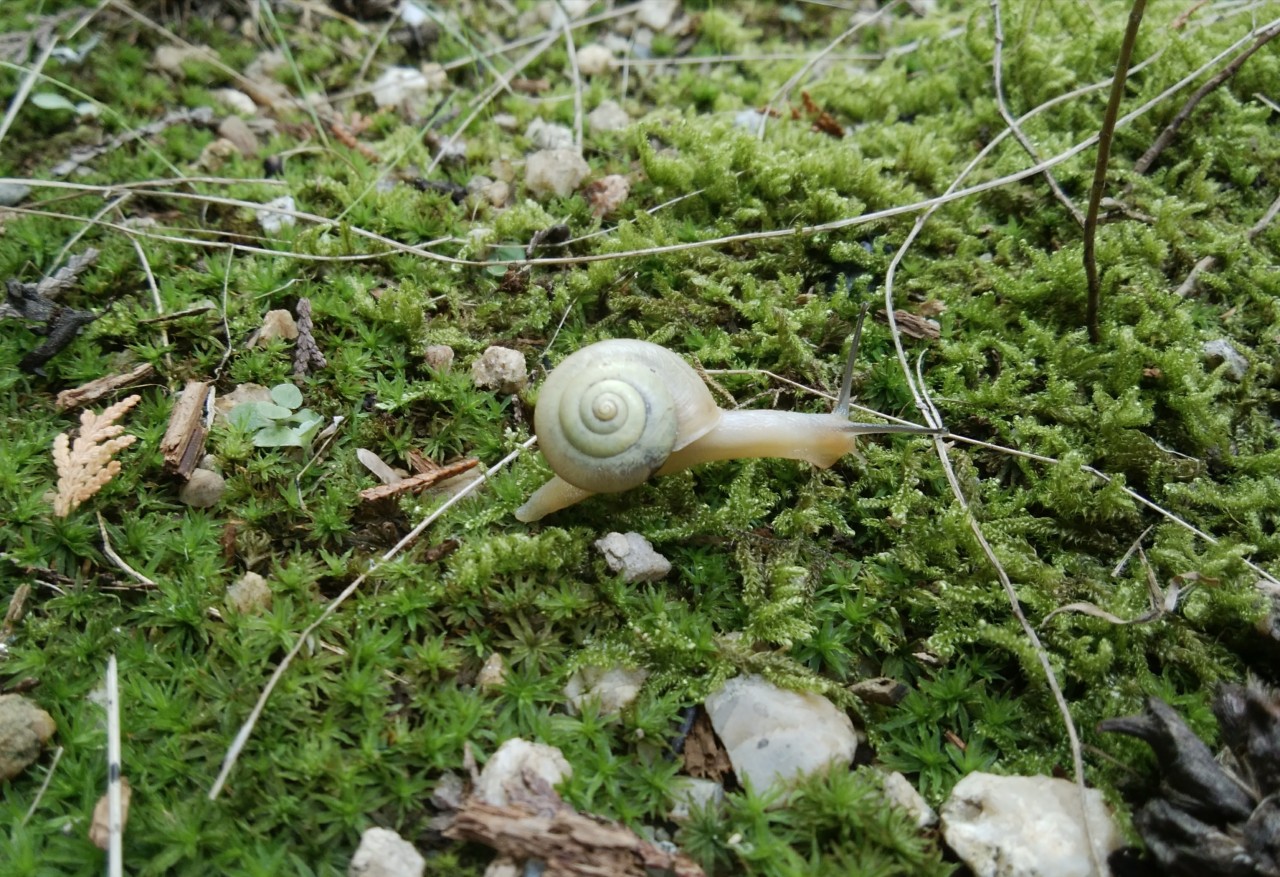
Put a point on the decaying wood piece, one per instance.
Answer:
(183, 442)
(915, 326)
(417, 483)
(571, 844)
(87, 394)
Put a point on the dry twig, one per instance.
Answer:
(1100, 168)
(87, 394)
(86, 466)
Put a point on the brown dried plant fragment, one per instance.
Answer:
(85, 466)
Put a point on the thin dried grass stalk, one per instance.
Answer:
(85, 466)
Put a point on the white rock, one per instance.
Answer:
(899, 790)
(493, 673)
(657, 14)
(548, 135)
(503, 867)
(609, 116)
(774, 735)
(171, 58)
(11, 194)
(594, 60)
(383, 853)
(614, 688)
(251, 595)
(413, 15)
(632, 555)
(1218, 351)
(236, 100)
(555, 172)
(504, 773)
(203, 489)
(690, 792)
(402, 85)
(749, 120)
(501, 369)
(1026, 826)
(270, 217)
(275, 324)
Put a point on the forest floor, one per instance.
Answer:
(733, 180)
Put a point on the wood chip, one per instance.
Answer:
(914, 326)
(570, 843)
(87, 394)
(704, 757)
(183, 442)
(417, 483)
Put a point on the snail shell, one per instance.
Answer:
(610, 414)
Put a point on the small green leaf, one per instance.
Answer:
(277, 436)
(286, 395)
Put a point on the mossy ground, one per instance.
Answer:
(817, 579)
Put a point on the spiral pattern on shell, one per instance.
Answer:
(606, 416)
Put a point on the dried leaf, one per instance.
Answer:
(86, 466)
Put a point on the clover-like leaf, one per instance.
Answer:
(277, 436)
(286, 396)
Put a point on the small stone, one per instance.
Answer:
(503, 867)
(210, 462)
(216, 152)
(656, 14)
(506, 121)
(555, 172)
(749, 120)
(1220, 351)
(171, 58)
(495, 192)
(439, 358)
(614, 688)
(12, 194)
(776, 736)
(1023, 826)
(608, 116)
(504, 773)
(236, 100)
(250, 596)
(243, 393)
(237, 130)
(690, 792)
(898, 789)
(276, 324)
(594, 60)
(399, 86)
(501, 369)
(882, 690)
(270, 217)
(493, 673)
(24, 729)
(384, 853)
(100, 825)
(632, 555)
(203, 489)
(607, 194)
(547, 135)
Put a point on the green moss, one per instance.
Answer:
(816, 579)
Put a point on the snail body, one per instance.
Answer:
(616, 413)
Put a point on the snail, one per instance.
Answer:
(616, 413)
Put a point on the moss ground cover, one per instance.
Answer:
(816, 579)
